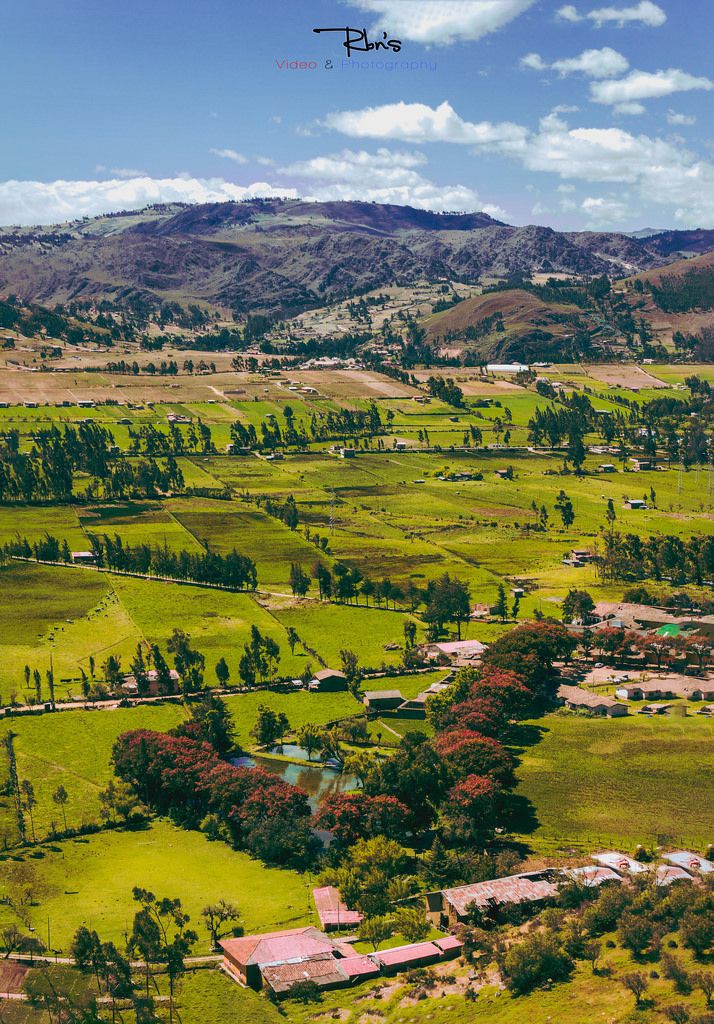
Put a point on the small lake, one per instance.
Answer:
(318, 782)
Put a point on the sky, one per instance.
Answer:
(593, 115)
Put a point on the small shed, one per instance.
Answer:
(329, 680)
(382, 700)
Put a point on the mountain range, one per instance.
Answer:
(281, 257)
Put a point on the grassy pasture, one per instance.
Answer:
(617, 781)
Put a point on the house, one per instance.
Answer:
(450, 907)
(382, 700)
(707, 710)
(607, 467)
(702, 691)
(666, 874)
(348, 453)
(619, 862)
(30, 405)
(635, 504)
(175, 417)
(400, 958)
(415, 707)
(328, 679)
(506, 368)
(85, 403)
(84, 557)
(655, 689)
(479, 611)
(592, 876)
(458, 652)
(324, 970)
(504, 474)
(642, 465)
(401, 446)
(689, 861)
(578, 699)
(333, 913)
(245, 957)
(582, 555)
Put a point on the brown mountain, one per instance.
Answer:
(283, 256)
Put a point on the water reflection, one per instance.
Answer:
(318, 782)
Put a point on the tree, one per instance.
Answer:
(376, 930)
(564, 505)
(501, 606)
(577, 604)
(223, 673)
(610, 515)
(169, 941)
(215, 915)
(189, 662)
(677, 1013)
(299, 580)
(309, 736)
(86, 949)
(139, 672)
(411, 923)
(270, 726)
(350, 667)
(292, 638)
(61, 798)
(410, 632)
(447, 600)
(305, 991)
(637, 984)
(535, 960)
(704, 980)
(29, 802)
(468, 812)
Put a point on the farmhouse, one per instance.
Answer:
(607, 467)
(400, 958)
(619, 862)
(635, 504)
(642, 465)
(458, 652)
(506, 368)
(84, 557)
(348, 453)
(333, 913)
(666, 874)
(655, 709)
(328, 680)
(415, 707)
(689, 861)
(578, 699)
(450, 907)
(245, 958)
(382, 700)
(592, 875)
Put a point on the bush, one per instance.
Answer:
(531, 963)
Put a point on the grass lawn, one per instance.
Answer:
(300, 707)
(73, 749)
(617, 782)
(89, 881)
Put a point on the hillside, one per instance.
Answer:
(282, 257)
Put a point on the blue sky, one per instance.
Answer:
(595, 114)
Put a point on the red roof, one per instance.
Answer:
(359, 966)
(448, 942)
(331, 910)
(323, 970)
(273, 947)
(403, 955)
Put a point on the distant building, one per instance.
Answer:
(333, 913)
(636, 504)
(348, 453)
(382, 700)
(607, 467)
(457, 652)
(593, 875)
(689, 861)
(642, 465)
(450, 907)
(619, 862)
(84, 557)
(506, 368)
(578, 699)
(329, 679)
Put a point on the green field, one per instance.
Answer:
(616, 782)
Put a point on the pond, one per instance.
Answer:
(317, 781)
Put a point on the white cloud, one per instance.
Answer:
(533, 61)
(629, 109)
(565, 189)
(230, 154)
(441, 22)
(568, 13)
(39, 202)
(661, 172)
(675, 118)
(604, 212)
(127, 172)
(645, 85)
(603, 63)
(645, 12)
(417, 122)
(539, 209)
(386, 176)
